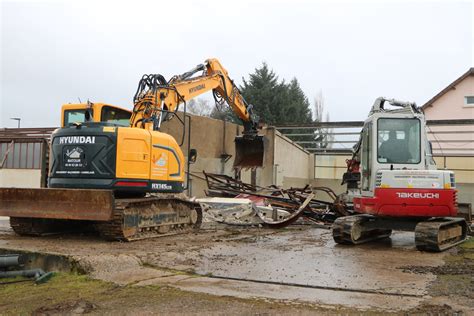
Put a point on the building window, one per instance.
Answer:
(469, 100)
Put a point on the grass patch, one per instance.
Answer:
(24, 298)
(468, 244)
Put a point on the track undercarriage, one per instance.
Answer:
(32, 213)
(433, 234)
(150, 217)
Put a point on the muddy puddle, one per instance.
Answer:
(44, 261)
(312, 258)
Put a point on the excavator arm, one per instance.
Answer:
(155, 95)
(157, 100)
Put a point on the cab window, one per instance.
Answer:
(366, 157)
(115, 116)
(79, 116)
(399, 141)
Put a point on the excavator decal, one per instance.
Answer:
(77, 140)
(197, 88)
(177, 174)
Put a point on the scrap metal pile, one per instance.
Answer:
(232, 201)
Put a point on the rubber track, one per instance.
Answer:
(343, 230)
(426, 234)
(114, 229)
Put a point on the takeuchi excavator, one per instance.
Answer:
(116, 170)
(393, 184)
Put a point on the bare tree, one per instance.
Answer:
(201, 107)
(318, 107)
(321, 135)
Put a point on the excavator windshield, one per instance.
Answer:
(398, 141)
(94, 112)
(76, 115)
(114, 115)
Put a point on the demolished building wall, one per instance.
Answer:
(292, 163)
(214, 141)
(285, 163)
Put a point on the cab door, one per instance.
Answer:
(366, 158)
(133, 153)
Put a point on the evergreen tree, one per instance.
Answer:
(297, 108)
(276, 103)
(263, 91)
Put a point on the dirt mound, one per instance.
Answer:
(120, 269)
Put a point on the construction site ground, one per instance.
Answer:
(232, 270)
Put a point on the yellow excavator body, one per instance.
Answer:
(116, 170)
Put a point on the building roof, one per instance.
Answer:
(468, 73)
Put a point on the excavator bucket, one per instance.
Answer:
(72, 204)
(249, 152)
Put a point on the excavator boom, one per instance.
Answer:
(157, 100)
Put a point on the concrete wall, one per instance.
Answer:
(291, 163)
(212, 139)
(330, 167)
(286, 164)
(20, 178)
(328, 171)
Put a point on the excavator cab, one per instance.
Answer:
(94, 112)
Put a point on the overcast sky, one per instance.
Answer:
(56, 52)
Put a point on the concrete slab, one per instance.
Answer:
(170, 280)
(244, 289)
(121, 269)
(311, 257)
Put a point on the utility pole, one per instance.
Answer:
(18, 119)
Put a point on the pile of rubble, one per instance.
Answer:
(234, 202)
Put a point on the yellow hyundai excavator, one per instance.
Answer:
(128, 180)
